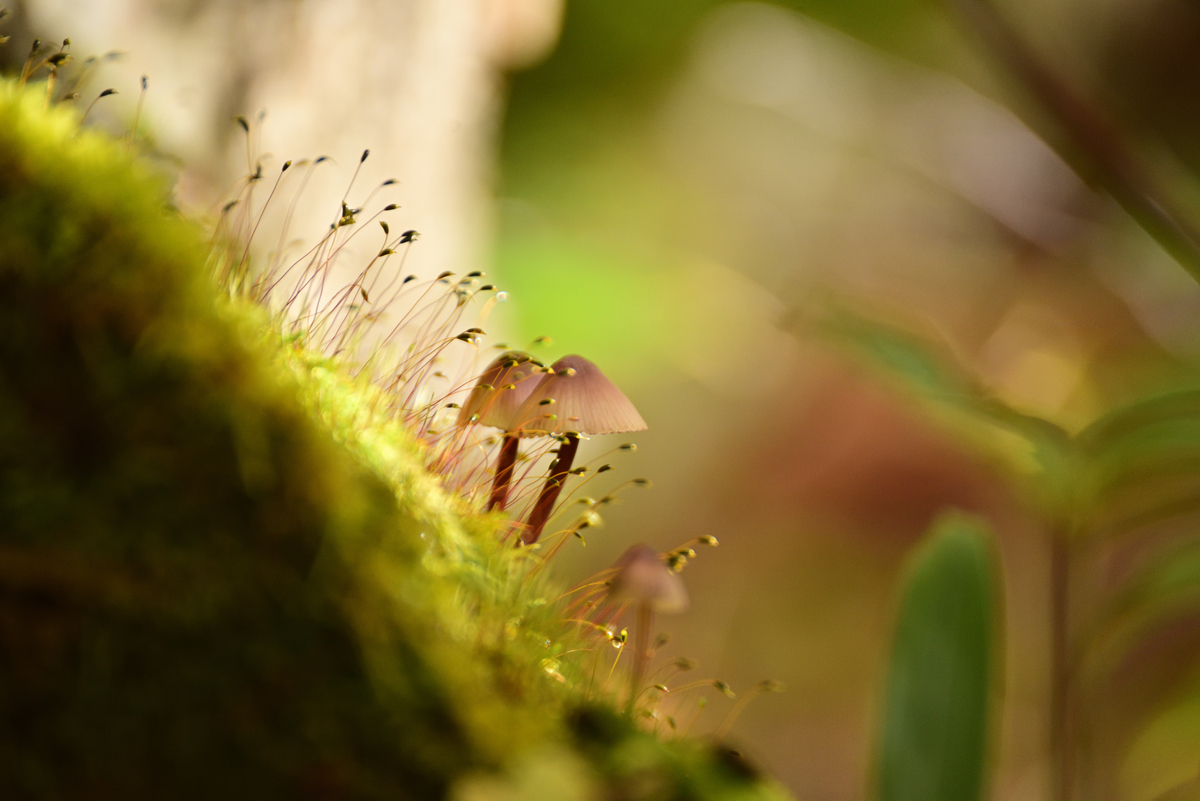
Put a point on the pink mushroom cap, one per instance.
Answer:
(581, 400)
(501, 390)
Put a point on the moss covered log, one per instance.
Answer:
(223, 574)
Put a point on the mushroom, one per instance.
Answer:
(583, 401)
(643, 578)
(495, 401)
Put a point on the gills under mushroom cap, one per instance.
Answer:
(576, 397)
(501, 390)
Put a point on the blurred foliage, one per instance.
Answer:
(224, 569)
(935, 721)
(1124, 495)
(601, 53)
(1107, 90)
(1108, 87)
(573, 145)
(1025, 444)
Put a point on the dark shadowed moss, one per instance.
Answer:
(223, 574)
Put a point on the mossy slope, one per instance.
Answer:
(221, 573)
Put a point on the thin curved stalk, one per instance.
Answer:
(544, 506)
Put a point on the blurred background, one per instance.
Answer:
(680, 190)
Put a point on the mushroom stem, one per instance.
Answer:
(641, 653)
(505, 463)
(554, 484)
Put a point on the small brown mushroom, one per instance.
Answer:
(496, 401)
(644, 579)
(574, 398)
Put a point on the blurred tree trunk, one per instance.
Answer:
(418, 82)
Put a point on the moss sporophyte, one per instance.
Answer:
(246, 552)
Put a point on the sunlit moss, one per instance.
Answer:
(224, 570)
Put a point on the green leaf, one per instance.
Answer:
(1140, 463)
(1164, 592)
(933, 741)
(1028, 446)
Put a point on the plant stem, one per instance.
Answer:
(554, 484)
(641, 653)
(1104, 148)
(1062, 745)
(505, 463)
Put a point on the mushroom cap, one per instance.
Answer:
(583, 401)
(643, 577)
(501, 390)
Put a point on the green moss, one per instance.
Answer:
(224, 571)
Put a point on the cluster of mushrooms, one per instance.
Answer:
(567, 400)
(571, 398)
